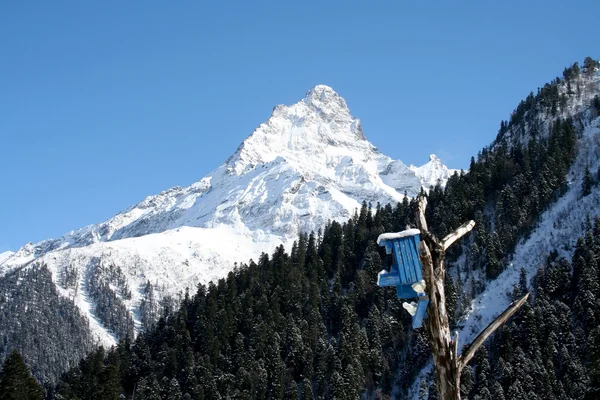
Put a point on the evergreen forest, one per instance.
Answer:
(311, 322)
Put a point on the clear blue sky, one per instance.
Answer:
(102, 104)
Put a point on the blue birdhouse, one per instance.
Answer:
(406, 272)
(406, 265)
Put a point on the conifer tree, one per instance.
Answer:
(16, 382)
(586, 186)
(307, 393)
(590, 65)
(466, 382)
(498, 392)
(423, 390)
(575, 69)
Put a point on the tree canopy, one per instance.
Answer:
(16, 381)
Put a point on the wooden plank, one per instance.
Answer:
(405, 292)
(401, 269)
(414, 252)
(417, 319)
(408, 267)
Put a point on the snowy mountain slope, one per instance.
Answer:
(307, 164)
(5, 255)
(170, 261)
(559, 227)
(433, 172)
(588, 86)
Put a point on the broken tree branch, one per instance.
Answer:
(432, 260)
(464, 359)
(421, 221)
(457, 234)
(455, 343)
(448, 364)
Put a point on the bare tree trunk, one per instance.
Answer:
(447, 362)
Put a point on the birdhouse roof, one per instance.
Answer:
(397, 235)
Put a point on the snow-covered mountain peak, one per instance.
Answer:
(325, 100)
(434, 159)
(575, 94)
(309, 163)
(433, 172)
(322, 93)
(26, 250)
(318, 127)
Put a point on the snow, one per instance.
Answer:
(397, 235)
(171, 261)
(558, 229)
(589, 87)
(433, 172)
(307, 164)
(5, 255)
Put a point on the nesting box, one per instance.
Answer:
(406, 270)
(406, 266)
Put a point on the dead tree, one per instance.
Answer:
(447, 361)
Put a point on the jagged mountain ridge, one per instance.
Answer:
(433, 173)
(308, 163)
(315, 144)
(353, 352)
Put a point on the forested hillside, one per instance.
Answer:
(41, 324)
(312, 323)
(307, 164)
(306, 322)
(551, 349)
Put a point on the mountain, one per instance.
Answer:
(555, 234)
(5, 255)
(312, 323)
(433, 172)
(307, 164)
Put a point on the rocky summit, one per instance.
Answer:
(309, 163)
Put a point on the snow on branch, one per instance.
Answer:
(457, 234)
(491, 328)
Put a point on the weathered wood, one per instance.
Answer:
(438, 330)
(421, 221)
(457, 234)
(455, 344)
(491, 328)
(447, 362)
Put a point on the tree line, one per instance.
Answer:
(312, 323)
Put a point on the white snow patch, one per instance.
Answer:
(5, 256)
(433, 172)
(397, 235)
(558, 229)
(309, 163)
